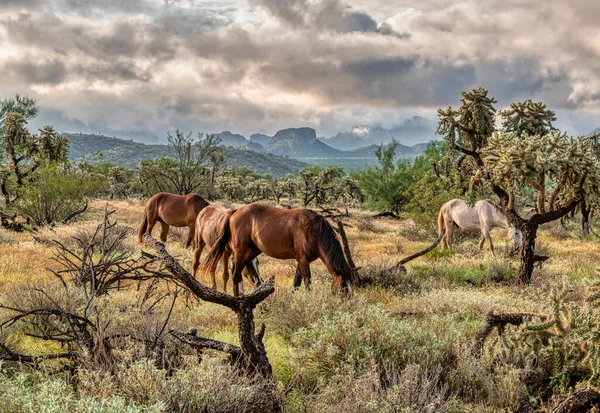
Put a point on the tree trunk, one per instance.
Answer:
(527, 253)
(585, 219)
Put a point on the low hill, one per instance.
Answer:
(129, 153)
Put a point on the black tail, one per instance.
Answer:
(209, 265)
(332, 253)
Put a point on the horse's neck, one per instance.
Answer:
(501, 220)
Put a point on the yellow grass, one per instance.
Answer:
(455, 286)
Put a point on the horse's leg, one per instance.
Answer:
(488, 237)
(252, 269)
(449, 231)
(297, 277)
(164, 231)
(197, 254)
(482, 240)
(151, 223)
(304, 267)
(225, 262)
(190, 236)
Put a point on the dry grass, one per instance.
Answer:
(444, 295)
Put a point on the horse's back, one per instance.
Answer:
(208, 223)
(176, 210)
(461, 214)
(276, 232)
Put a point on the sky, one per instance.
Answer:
(248, 66)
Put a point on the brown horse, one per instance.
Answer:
(295, 233)
(171, 210)
(209, 224)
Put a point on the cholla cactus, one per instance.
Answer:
(567, 345)
(552, 164)
(528, 118)
(527, 155)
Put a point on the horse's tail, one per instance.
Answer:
(218, 249)
(440, 220)
(332, 253)
(143, 227)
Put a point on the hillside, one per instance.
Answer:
(129, 153)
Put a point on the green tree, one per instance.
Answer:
(22, 152)
(561, 170)
(429, 187)
(385, 184)
(191, 170)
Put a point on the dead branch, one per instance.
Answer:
(75, 213)
(387, 214)
(253, 357)
(581, 401)
(347, 251)
(400, 264)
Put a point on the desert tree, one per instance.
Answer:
(259, 189)
(318, 185)
(385, 184)
(286, 186)
(349, 193)
(561, 170)
(190, 170)
(70, 321)
(23, 152)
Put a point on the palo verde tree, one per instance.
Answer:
(385, 184)
(192, 168)
(527, 153)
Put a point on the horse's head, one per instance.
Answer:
(516, 238)
(344, 284)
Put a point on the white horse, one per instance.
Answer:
(483, 216)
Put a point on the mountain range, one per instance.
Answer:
(129, 153)
(302, 143)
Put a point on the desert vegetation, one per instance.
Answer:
(90, 320)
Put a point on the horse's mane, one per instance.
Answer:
(330, 247)
(496, 206)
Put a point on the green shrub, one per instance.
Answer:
(57, 195)
(357, 339)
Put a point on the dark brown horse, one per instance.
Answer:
(171, 210)
(300, 233)
(209, 225)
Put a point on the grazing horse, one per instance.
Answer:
(300, 233)
(483, 216)
(171, 210)
(209, 225)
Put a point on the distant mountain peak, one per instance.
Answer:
(413, 130)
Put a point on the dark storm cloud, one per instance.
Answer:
(31, 72)
(325, 14)
(250, 65)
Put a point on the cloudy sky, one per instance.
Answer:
(262, 65)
